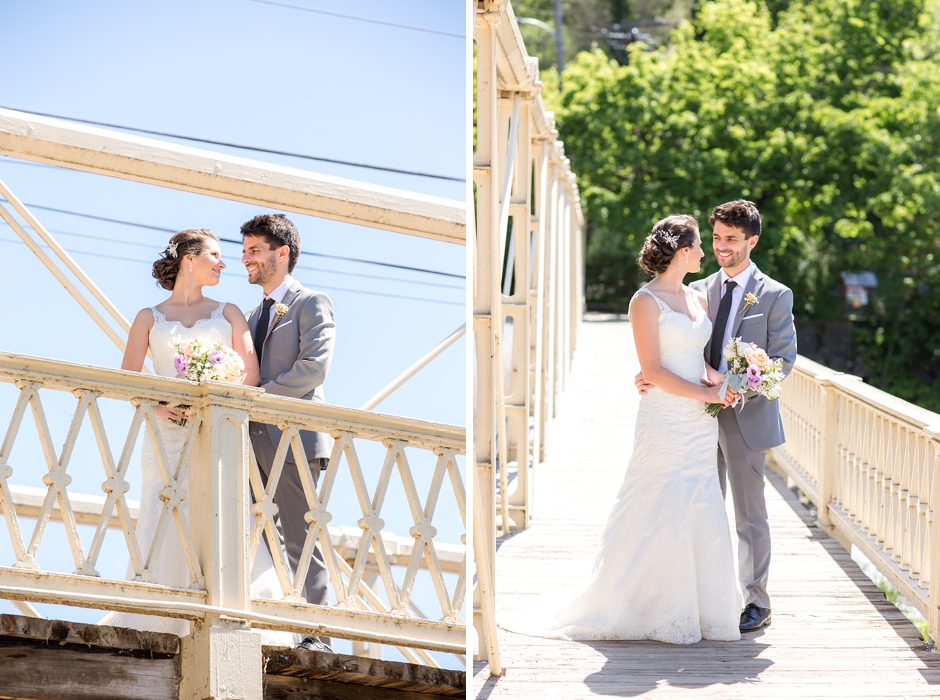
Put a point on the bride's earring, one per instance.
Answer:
(686, 257)
(191, 263)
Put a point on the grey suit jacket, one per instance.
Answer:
(296, 357)
(768, 324)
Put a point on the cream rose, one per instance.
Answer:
(759, 357)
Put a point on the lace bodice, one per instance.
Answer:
(682, 341)
(162, 334)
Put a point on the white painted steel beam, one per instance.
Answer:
(130, 596)
(90, 149)
(486, 313)
(399, 381)
(66, 259)
(86, 508)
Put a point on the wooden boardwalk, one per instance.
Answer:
(833, 633)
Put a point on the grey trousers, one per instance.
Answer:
(289, 521)
(744, 468)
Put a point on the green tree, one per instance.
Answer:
(824, 113)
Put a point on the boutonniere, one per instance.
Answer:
(279, 311)
(749, 301)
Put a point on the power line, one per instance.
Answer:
(361, 19)
(237, 242)
(241, 146)
(345, 273)
(318, 286)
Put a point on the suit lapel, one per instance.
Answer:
(288, 299)
(750, 288)
(713, 291)
(253, 319)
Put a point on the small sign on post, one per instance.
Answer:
(858, 289)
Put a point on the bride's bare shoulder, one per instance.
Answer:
(144, 317)
(643, 303)
(232, 313)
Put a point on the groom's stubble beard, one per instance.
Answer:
(736, 258)
(265, 272)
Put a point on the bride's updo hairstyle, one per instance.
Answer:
(667, 238)
(189, 242)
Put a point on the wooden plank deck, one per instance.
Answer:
(833, 633)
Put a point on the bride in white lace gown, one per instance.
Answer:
(664, 567)
(192, 260)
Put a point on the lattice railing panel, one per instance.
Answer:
(871, 463)
(370, 487)
(60, 421)
(86, 417)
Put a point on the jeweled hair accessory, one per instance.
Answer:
(170, 251)
(672, 239)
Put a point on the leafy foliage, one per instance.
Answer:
(826, 113)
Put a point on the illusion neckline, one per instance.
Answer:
(696, 319)
(212, 316)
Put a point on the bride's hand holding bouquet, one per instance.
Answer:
(749, 369)
(200, 360)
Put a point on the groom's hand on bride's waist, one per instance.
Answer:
(642, 385)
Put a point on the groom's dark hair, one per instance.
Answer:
(740, 214)
(277, 230)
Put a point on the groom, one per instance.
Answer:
(743, 302)
(293, 334)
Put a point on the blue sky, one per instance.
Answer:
(268, 76)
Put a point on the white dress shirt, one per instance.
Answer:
(741, 279)
(277, 294)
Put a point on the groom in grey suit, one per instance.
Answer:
(744, 302)
(293, 334)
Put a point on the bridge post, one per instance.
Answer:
(486, 312)
(933, 596)
(221, 657)
(516, 302)
(827, 472)
(547, 257)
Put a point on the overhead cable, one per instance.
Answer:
(237, 242)
(149, 246)
(318, 286)
(361, 19)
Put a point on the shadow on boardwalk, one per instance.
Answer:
(833, 633)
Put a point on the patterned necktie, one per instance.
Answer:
(261, 330)
(721, 320)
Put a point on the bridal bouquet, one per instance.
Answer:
(749, 368)
(198, 360)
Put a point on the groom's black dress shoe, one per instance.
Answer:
(753, 618)
(314, 644)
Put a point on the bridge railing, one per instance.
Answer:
(870, 463)
(230, 508)
(224, 529)
(527, 300)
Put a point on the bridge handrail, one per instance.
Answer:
(870, 463)
(222, 512)
(528, 289)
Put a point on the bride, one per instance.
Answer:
(191, 261)
(664, 568)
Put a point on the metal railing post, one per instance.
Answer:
(221, 658)
(486, 312)
(827, 474)
(933, 566)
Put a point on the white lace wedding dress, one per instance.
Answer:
(664, 567)
(171, 568)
